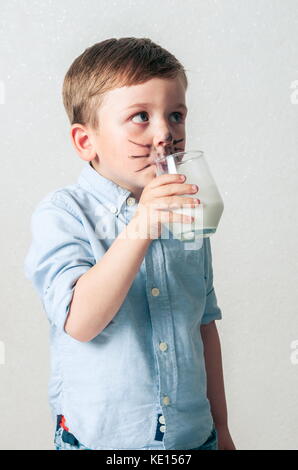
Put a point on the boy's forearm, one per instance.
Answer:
(100, 292)
(214, 371)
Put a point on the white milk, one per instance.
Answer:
(207, 214)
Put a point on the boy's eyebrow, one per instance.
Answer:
(179, 105)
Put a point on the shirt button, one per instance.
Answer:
(161, 419)
(166, 400)
(163, 346)
(130, 201)
(162, 428)
(155, 291)
(113, 209)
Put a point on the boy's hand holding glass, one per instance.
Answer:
(159, 197)
(194, 166)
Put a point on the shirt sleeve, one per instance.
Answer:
(58, 255)
(212, 310)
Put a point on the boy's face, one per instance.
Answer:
(128, 132)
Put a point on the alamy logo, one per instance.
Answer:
(294, 94)
(150, 223)
(2, 92)
(106, 225)
(294, 353)
(2, 353)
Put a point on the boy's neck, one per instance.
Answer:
(136, 192)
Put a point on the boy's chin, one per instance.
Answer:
(144, 177)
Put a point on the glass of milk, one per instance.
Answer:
(207, 214)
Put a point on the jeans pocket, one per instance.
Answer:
(211, 443)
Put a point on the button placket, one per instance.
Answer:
(163, 346)
(130, 201)
(160, 428)
(155, 291)
(162, 419)
(113, 209)
(166, 400)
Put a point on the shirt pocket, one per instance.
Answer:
(185, 272)
(188, 262)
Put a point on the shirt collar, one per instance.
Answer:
(109, 192)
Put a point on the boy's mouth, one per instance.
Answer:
(157, 152)
(161, 150)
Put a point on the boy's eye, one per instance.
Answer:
(139, 114)
(144, 113)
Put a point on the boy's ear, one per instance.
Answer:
(82, 140)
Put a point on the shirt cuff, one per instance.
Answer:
(212, 310)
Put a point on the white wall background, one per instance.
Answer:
(242, 58)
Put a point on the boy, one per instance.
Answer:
(131, 316)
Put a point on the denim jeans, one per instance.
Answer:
(64, 440)
(211, 443)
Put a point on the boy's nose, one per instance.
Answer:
(163, 139)
(163, 149)
(162, 144)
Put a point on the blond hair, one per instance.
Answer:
(110, 64)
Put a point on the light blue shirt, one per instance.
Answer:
(149, 359)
